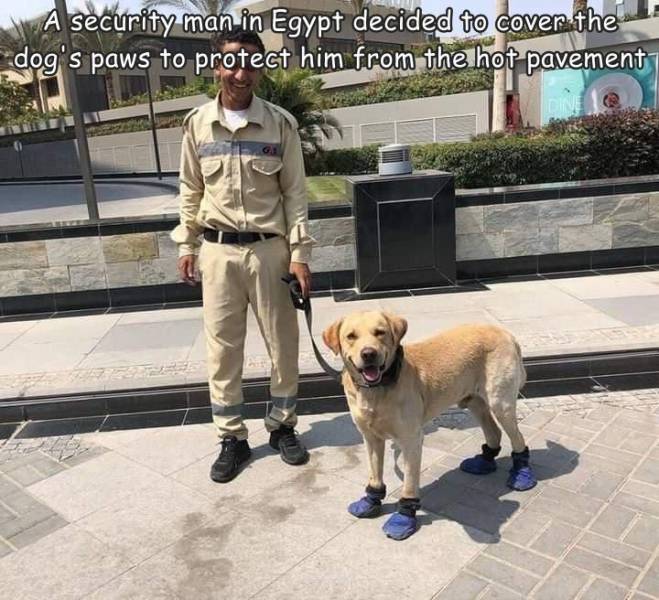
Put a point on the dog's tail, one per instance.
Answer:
(522, 370)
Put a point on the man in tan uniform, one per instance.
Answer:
(243, 188)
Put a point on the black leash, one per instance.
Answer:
(304, 304)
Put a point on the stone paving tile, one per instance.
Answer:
(588, 531)
(644, 534)
(564, 583)
(602, 566)
(613, 521)
(604, 590)
(511, 577)
(555, 539)
(650, 582)
(465, 586)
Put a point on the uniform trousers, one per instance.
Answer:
(233, 277)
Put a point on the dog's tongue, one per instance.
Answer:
(371, 373)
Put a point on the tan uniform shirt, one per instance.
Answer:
(251, 179)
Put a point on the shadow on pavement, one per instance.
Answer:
(483, 504)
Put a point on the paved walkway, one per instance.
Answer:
(133, 514)
(162, 347)
(27, 204)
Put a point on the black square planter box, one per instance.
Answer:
(404, 230)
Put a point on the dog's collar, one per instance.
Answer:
(390, 376)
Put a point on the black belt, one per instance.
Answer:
(235, 237)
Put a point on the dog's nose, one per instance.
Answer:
(369, 355)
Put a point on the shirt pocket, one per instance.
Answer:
(263, 179)
(266, 166)
(212, 172)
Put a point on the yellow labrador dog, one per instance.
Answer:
(393, 391)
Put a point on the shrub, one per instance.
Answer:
(619, 145)
(595, 147)
(198, 86)
(440, 83)
(351, 161)
(505, 161)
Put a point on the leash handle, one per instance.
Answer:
(304, 304)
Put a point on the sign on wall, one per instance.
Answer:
(570, 93)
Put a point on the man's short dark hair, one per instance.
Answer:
(237, 34)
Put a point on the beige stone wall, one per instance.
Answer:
(131, 260)
(483, 232)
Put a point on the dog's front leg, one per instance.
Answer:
(375, 452)
(411, 450)
(402, 524)
(371, 504)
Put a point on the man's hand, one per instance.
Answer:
(303, 275)
(186, 268)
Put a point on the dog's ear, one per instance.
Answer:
(331, 336)
(398, 326)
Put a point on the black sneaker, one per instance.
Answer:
(234, 454)
(286, 443)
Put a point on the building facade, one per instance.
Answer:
(628, 8)
(132, 82)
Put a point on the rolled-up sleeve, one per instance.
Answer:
(186, 234)
(294, 194)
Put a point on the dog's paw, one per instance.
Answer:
(478, 465)
(400, 527)
(521, 479)
(365, 508)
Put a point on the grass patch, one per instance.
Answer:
(326, 188)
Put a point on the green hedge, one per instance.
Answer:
(588, 148)
(436, 83)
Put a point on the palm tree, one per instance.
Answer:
(299, 91)
(202, 7)
(579, 6)
(500, 75)
(27, 33)
(358, 6)
(107, 42)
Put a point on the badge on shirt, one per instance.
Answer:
(270, 150)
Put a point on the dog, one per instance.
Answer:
(393, 391)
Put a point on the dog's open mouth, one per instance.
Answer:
(372, 375)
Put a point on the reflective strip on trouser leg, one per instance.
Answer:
(225, 313)
(281, 412)
(277, 319)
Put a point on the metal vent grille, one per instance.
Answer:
(391, 156)
(415, 132)
(378, 133)
(455, 129)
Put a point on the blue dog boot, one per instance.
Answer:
(483, 463)
(403, 524)
(521, 476)
(370, 505)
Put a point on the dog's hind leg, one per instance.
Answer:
(482, 413)
(402, 524)
(370, 505)
(483, 463)
(503, 402)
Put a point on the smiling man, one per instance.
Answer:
(243, 189)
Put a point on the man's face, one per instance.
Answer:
(239, 83)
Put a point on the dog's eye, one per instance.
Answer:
(379, 332)
(351, 337)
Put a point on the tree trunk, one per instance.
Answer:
(109, 88)
(357, 7)
(37, 91)
(579, 6)
(500, 75)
